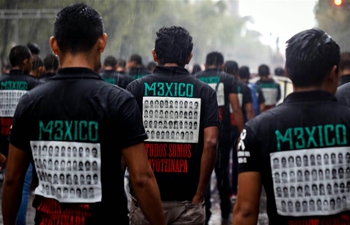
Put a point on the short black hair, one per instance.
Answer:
(136, 58)
(51, 62)
(77, 28)
(264, 70)
(196, 68)
(279, 71)
(18, 54)
(110, 61)
(151, 66)
(231, 67)
(244, 72)
(214, 59)
(173, 45)
(37, 62)
(121, 62)
(34, 48)
(344, 61)
(310, 55)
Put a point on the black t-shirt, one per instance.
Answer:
(76, 125)
(138, 72)
(343, 93)
(46, 76)
(112, 77)
(344, 79)
(301, 148)
(244, 97)
(176, 109)
(224, 85)
(271, 90)
(12, 87)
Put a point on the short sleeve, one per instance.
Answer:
(232, 85)
(19, 135)
(278, 91)
(248, 151)
(210, 114)
(247, 95)
(130, 122)
(261, 98)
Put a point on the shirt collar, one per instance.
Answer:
(76, 72)
(17, 72)
(176, 70)
(307, 96)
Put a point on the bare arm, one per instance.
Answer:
(207, 162)
(237, 111)
(262, 107)
(249, 110)
(144, 183)
(17, 165)
(246, 209)
(3, 161)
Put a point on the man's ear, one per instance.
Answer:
(54, 46)
(188, 60)
(102, 42)
(155, 57)
(334, 74)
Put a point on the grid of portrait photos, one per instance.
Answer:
(311, 182)
(220, 95)
(9, 101)
(270, 95)
(171, 119)
(68, 171)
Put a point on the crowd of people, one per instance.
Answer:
(72, 128)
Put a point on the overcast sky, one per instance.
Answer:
(279, 18)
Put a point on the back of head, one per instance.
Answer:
(244, 72)
(121, 63)
(279, 71)
(151, 66)
(51, 62)
(34, 48)
(77, 28)
(173, 45)
(344, 61)
(310, 56)
(18, 54)
(196, 68)
(37, 62)
(110, 61)
(264, 70)
(137, 59)
(231, 67)
(214, 59)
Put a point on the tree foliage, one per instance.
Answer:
(335, 21)
(131, 26)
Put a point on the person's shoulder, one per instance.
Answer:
(343, 93)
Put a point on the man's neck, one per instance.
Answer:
(212, 67)
(345, 72)
(171, 65)
(265, 78)
(82, 60)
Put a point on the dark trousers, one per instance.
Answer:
(222, 177)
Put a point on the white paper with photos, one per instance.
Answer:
(8, 102)
(311, 182)
(173, 120)
(220, 94)
(270, 95)
(68, 171)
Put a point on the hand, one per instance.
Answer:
(197, 199)
(3, 161)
